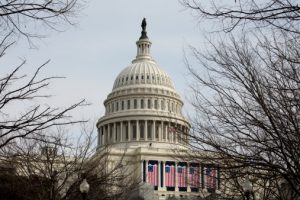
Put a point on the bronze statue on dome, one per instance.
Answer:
(144, 24)
(144, 32)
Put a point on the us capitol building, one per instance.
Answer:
(143, 118)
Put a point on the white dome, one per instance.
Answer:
(143, 106)
(143, 72)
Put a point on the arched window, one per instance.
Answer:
(142, 103)
(149, 103)
(135, 104)
(128, 104)
(162, 104)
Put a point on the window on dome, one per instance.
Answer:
(122, 105)
(142, 77)
(153, 77)
(137, 77)
(131, 78)
(127, 78)
(155, 104)
(162, 104)
(128, 104)
(142, 103)
(135, 104)
(122, 79)
(117, 106)
(149, 103)
(112, 107)
(148, 76)
(172, 107)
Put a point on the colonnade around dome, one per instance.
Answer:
(142, 130)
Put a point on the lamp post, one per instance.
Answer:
(248, 189)
(84, 188)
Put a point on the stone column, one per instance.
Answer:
(142, 171)
(176, 134)
(176, 177)
(137, 130)
(169, 137)
(163, 175)
(129, 131)
(188, 178)
(166, 133)
(146, 171)
(153, 130)
(121, 131)
(160, 131)
(108, 134)
(114, 132)
(104, 134)
(146, 130)
(159, 175)
(99, 137)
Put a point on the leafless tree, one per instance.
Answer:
(278, 14)
(20, 18)
(35, 118)
(246, 95)
(57, 164)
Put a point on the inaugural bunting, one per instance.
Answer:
(182, 176)
(152, 174)
(194, 176)
(210, 177)
(170, 175)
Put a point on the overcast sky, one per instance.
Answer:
(92, 53)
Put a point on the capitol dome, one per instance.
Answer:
(143, 106)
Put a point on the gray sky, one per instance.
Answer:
(92, 53)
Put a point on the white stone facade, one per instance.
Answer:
(144, 119)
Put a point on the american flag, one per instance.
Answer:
(194, 176)
(182, 176)
(210, 178)
(152, 174)
(170, 175)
